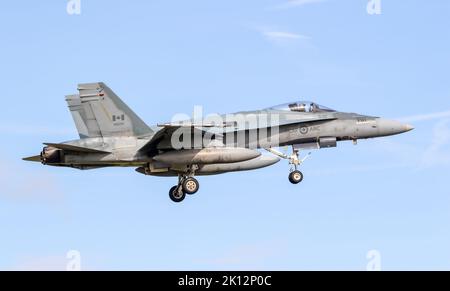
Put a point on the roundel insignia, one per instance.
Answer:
(304, 130)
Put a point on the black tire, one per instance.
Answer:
(296, 177)
(174, 196)
(191, 186)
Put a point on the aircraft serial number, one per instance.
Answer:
(364, 121)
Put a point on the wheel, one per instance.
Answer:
(175, 194)
(190, 186)
(296, 177)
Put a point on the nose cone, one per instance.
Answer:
(408, 127)
(392, 127)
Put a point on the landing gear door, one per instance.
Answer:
(306, 146)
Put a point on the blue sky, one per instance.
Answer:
(164, 57)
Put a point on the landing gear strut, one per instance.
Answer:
(295, 176)
(187, 184)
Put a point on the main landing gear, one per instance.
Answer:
(187, 184)
(295, 176)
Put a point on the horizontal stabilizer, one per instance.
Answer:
(33, 159)
(72, 148)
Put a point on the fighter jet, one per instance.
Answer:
(112, 135)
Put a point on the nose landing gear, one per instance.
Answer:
(295, 176)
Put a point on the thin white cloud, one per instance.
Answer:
(283, 37)
(279, 35)
(298, 3)
(425, 117)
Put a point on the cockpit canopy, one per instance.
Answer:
(302, 106)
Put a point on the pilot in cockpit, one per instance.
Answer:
(297, 107)
(313, 108)
(302, 107)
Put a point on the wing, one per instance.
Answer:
(165, 133)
